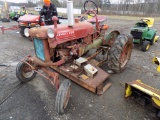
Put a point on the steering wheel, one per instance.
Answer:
(91, 8)
(147, 20)
(82, 19)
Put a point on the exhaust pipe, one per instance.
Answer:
(70, 13)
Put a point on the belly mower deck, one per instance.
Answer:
(96, 84)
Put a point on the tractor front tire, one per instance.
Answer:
(120, 53)
(145, 46)
(153, 40)
(22, 31)
(22, 75)
(63, 96)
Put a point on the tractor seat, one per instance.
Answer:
(100, 19)
(141, 24)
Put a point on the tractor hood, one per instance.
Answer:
(63, 33)
(29, 18)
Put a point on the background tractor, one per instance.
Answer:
(62, 47)
(29, 21)
(143, 34)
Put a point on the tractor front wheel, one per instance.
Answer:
(145, 46)
(153, 40)
(120, 53)
(63, 96)
(22, 31)
(24, 72)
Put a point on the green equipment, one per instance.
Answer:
(143, 34)
(13, 16)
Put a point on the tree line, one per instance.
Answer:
(121, 7)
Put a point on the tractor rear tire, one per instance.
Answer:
(120, 53)
(145, 46)
(24, 76)
(63, 96)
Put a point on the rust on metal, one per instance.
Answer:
(46, 51)
(110, 38)
(126, 53)
(51, 75)
(94, 55)
(76, 20)
(101, 88)
(91, 84)
(55, 19)
(14, 27)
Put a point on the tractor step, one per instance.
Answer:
(96, 84)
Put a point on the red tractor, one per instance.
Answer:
(29, 21)
(62, 47)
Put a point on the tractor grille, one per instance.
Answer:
(39, 48)
(136, 34)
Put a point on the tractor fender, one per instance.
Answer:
(150, 34)
(110, 37)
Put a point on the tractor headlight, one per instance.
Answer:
(26, 32)
(50, 33)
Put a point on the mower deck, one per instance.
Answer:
(95, 84)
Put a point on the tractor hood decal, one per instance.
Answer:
(65, 33)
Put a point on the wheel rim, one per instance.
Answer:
(148, 46)
(65, 103)
(27, 71)
(125, 55)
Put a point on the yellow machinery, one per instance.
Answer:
(156, 60)
(5, 13)
(149, 21)
(145, 94)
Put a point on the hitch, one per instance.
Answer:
(14, 27)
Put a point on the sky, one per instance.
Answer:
(19, 1)
(22, 1)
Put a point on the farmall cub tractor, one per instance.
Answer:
(143, 34)
(61, 48)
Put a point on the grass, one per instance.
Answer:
(129, 17)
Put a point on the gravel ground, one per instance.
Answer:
(35, 100)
